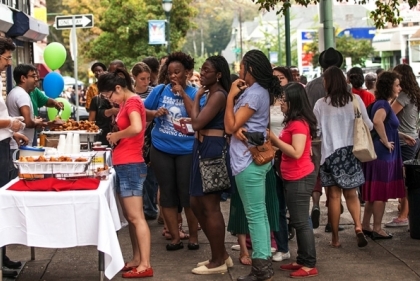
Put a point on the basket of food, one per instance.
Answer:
(52, 165)
(102, 173)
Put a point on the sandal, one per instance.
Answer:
(245, 259)
(361, 239)
(183, 235)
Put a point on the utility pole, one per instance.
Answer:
(287, 37)
(240, 32)
(279, 40)
(326, 18)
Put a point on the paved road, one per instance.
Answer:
(396, 259)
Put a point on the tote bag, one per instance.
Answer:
(363, 148)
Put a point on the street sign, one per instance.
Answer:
(80, 21)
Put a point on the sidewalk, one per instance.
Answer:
(395, 259)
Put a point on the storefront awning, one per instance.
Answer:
(389, 41)
(27, 28)
(6, 19)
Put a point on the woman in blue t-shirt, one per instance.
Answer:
(251, 114)
(171, 151)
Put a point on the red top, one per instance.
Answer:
(295, 169)
(129, 150)
(366, 96)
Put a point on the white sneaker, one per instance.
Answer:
(279, 256)
(236, 247)
(273, 250)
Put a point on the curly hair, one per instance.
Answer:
(221, 65)
(6, 44)
(409, 83)
(356, 78)
(258, 65)
(336, 86)
(286, 72)
(186, 60)
(299, 106)
(385, 84)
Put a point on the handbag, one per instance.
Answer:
(262, 154)
(363, 148)
(214, 172)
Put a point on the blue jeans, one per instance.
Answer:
(281, 236)
(150, 189)
(251, 188)
(298, 195)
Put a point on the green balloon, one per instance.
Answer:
(65, 115)
(55, 55)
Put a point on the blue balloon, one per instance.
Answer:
(53, 84)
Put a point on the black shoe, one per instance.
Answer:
(367, 233)
(9, 273)
(12, 264)
(315, 214)
(193, 246)
(174, 247)
(150, 218)
(376, 236)
(261, 270)
(328, 228)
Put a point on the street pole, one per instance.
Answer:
(240, 32)
(74, 39)
(279, 40)
(326, 9)
(287, 37)
(168, 18)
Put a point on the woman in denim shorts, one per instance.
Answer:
(127, 141)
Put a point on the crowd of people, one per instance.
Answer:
(165, 121)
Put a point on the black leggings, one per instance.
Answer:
(173, 175)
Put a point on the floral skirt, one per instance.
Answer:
(342, 169)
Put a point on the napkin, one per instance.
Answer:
(53, 184)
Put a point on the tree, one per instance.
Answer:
(124, 30)
(386, 11)
(359, 50)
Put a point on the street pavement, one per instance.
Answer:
(395, 259)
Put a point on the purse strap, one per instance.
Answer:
(356, 107)
(223, 149)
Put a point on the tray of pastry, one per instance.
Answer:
(52, 164)
(81, 127)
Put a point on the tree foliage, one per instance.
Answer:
(212, 27)
(124, 26)
(386, 11)
(358, 50)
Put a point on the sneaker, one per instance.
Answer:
(279, 256)
(396, 222)
(235, 248)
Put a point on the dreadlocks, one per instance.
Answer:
(257, 64)
(222, 66)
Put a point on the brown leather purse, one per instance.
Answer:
(262, 154)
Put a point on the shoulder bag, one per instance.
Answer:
(214, 172)
(363, 148)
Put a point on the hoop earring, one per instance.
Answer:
(217, 80)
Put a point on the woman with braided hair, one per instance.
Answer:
(210, 142)
(257, 87)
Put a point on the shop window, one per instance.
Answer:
(415, 53)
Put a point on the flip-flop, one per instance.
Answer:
(335, 246)
(248, 259)
(361, 239)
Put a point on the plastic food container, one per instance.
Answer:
(25, 151)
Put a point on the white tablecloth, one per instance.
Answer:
(64, 219)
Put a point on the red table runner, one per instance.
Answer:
(53, 184)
